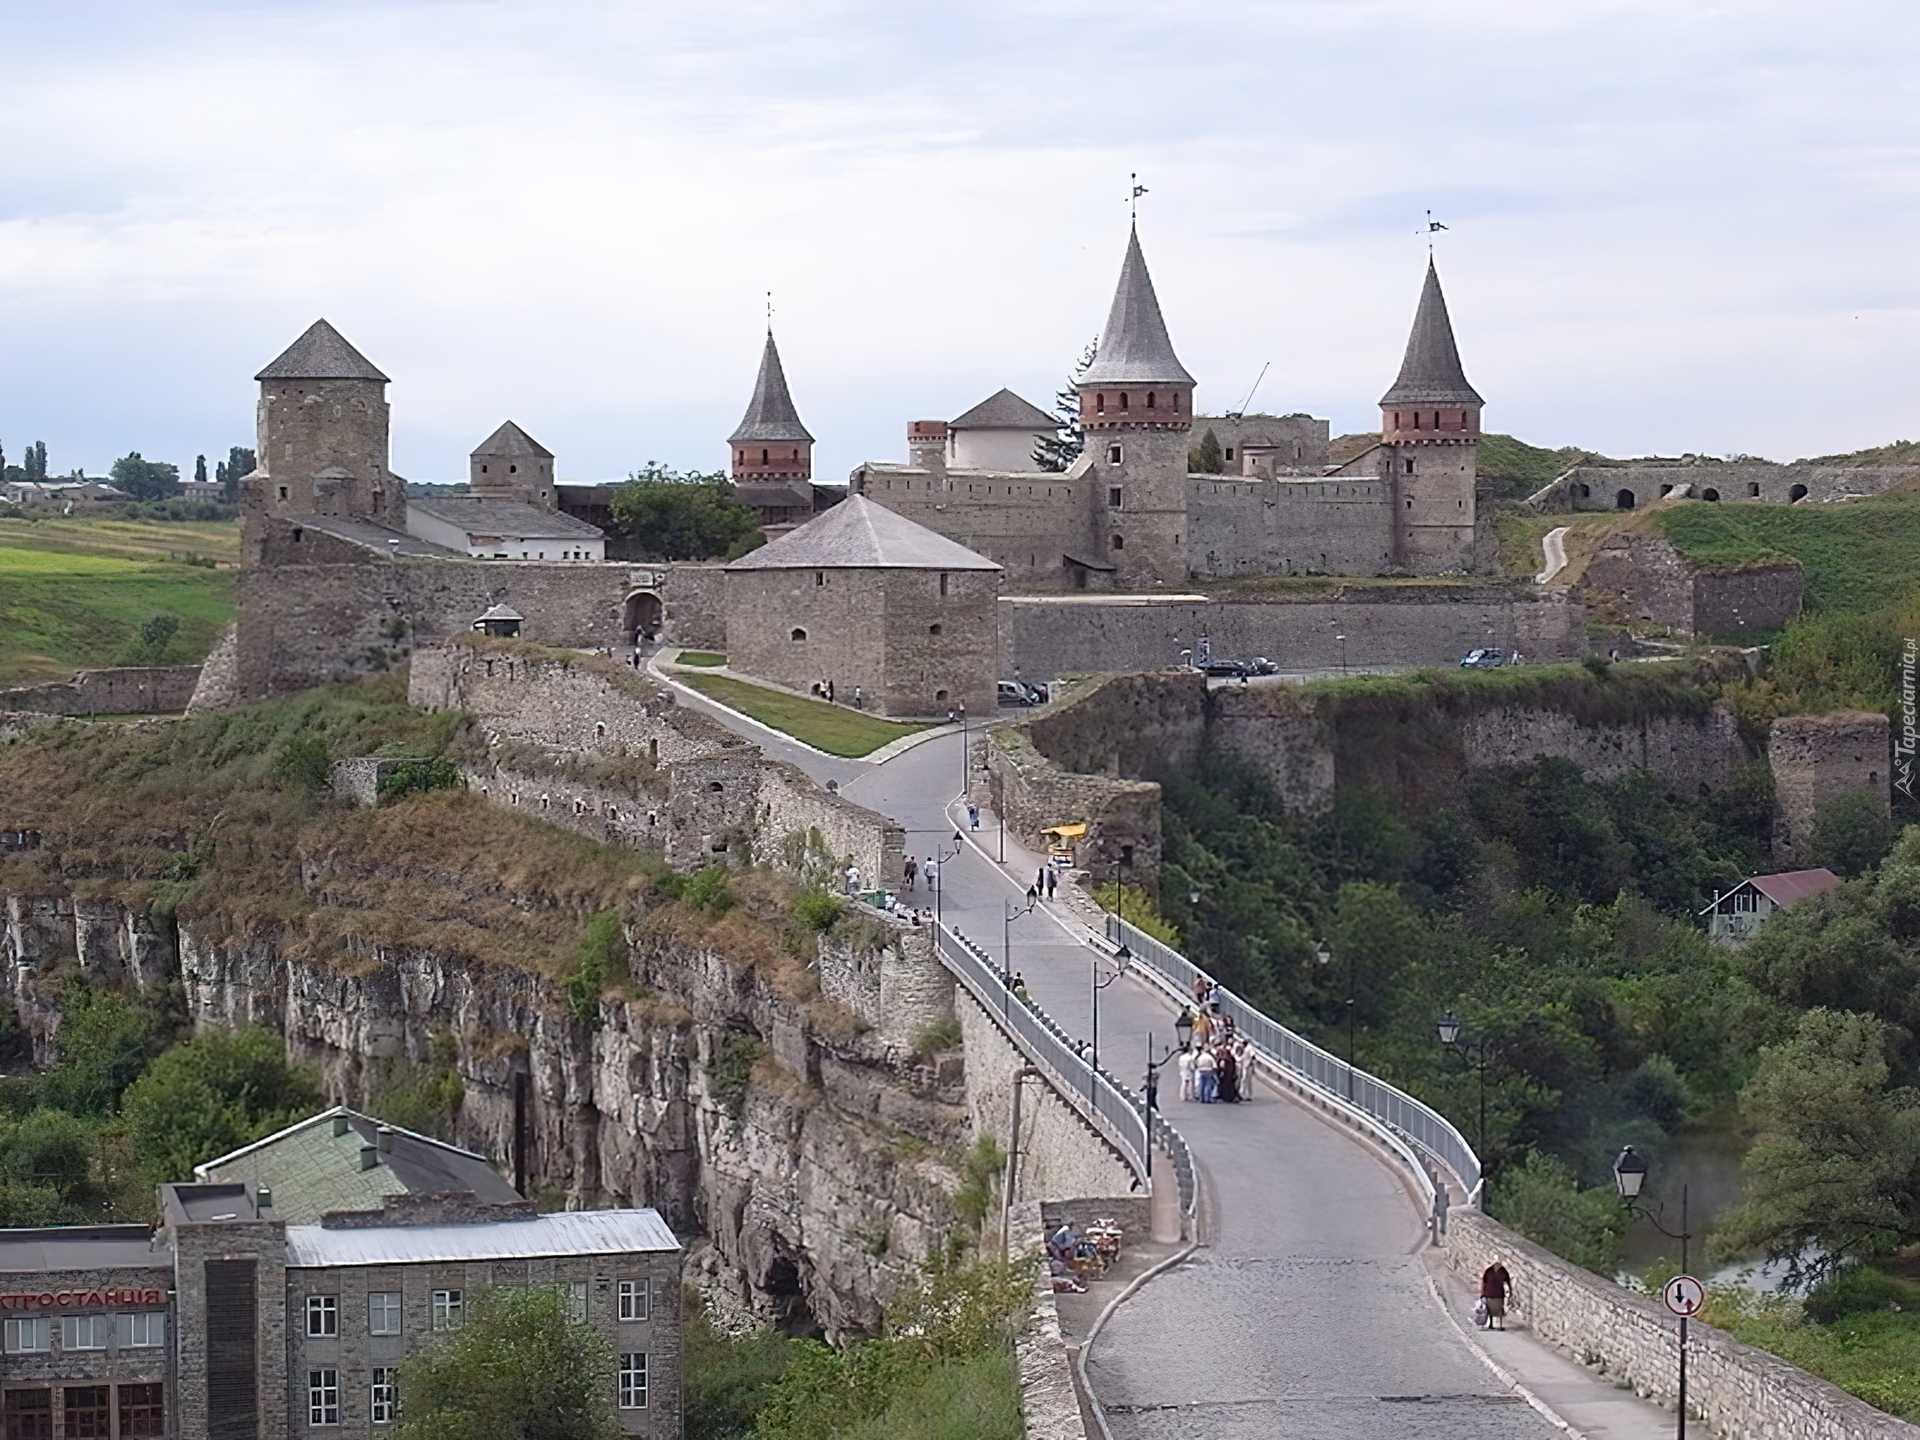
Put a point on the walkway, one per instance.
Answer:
(1553, 550)
(1309, 1309)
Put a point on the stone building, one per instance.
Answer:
(999, 433)
(1129, 513)
(511, 510)
(322, 439)
(770, 444)
(884, 609)
(260, 1310)
(1818, 758)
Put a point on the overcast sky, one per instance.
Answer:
(1675, 226)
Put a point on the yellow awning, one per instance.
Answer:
(1066, 832)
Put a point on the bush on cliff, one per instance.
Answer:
(212, 1094)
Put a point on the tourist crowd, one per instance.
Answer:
(1217, 1064)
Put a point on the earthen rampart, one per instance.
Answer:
(126, 690)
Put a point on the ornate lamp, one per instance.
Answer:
(1448, 1027)
(1629, 1173)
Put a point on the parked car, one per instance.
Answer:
(1263, 666)
(1221, 668)
(1016, 692)
(1483, 660)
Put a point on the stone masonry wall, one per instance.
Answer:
(792, 803)
(1138, 726)
(1645, 578)
(1283, 736)
(1122, 816)
(1737, 1390)
(1737, 603)
(1732, 481)
(696, 608)
(1817, 759)
(899, 989)
(126, 690)
(1687, 751)
(1290, 525)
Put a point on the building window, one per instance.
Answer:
(819, 577)
(84, 1332)
(1123, 400)
(142, 1412)
(1753, 488)
(943, 586)
(383, 1312)
(1150, 399)
(633, 1299)
(1409, 465)
(1113, 454)
(1113, 497)
(1119, 542)
(89, 1412)
(380, 1395)
(1099, 406)
(143, 1330)
(633, 1382)
(446, 1310)
(323, 1397)
(26, 1337)
(323, 1315)
(29, 1414)
(577, 1300)
(1229, 452)
(798, 633)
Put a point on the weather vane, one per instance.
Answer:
(1133, 199)
(1428, 230)
(769, 312)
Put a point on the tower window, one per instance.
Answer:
(1119, 542)
(933, 629)
(1176, 402)
(819, 577)
(763, 457)
(1113, 497)
(1150, 399)
(1409, 465)
(1113, 454)
(1416, 419)
(513, 469)
(283, 492)
(1100, 404)
(483, 469)
(1230, 452)
(943, 584)
(1123, 400)
(799, 634)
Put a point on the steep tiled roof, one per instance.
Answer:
(321, 354)
(1431, 374)
(1004, 410)
(480, 516)
(858, 532)
(1134, 348)
(510, 439)
(770, 414)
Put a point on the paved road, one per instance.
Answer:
(1554, 550)
(1308, 1310)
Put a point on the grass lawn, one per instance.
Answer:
(832, 728)
(699, 657)
(74, 593)
(1875, 1356)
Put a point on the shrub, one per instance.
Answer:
(979, 1188)
(707, 891)
(1854, 1291)
(410, 776)
(603, 947)
(302, 763)
(940, 1035)
(817, 909)
(1851, 833)
(731, 1070)
(1541, 1198)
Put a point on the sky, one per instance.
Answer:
(1672, 226)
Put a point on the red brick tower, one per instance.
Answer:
(771, 444)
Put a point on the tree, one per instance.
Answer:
(520, 1369)
(1059, 450)
(1834, 1172)
(36, 460)
(1207, 458)
(104, 1043)
(1851, 833)
(211, 1094)
(236, 467)
(673, 516)
(199, 469)
(146, 479)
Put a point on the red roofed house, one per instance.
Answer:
(1738, 915)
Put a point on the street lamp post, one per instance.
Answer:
(1343, 653)
(1325, 957)
(1183, 1027)
(1009, 913)
(1448, 1027)
(1123, 955)
(1629, 1174)
(965, 779)
(940, 858)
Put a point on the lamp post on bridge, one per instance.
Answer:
(1009, 913)
(1683, 1294)
(1325, 957)
(1124, 956)
(1183, 1028)
(940, 858)
(1476, 1055)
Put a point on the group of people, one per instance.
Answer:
(1217, 1065)
(915, 871)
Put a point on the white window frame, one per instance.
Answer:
(382, 1395)
(323, 1317)
(97, 1329)
(633, 1380)
(389, 1311)
(447, 1311)
(577, 1299)
(142, 1329)
(29, 1336)
(323, 1397)
(633, 1300)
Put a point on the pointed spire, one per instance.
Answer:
(1135, 348)
(770, 414)
(510, 439)
(321, 354)
(1431, 373)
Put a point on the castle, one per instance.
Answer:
(1131, 513)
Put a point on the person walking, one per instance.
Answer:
(1052, 877)
(858, 702)
(1227, 1075)
(1495, 1286)
(1040, 883)
(1205, 1076)
(1243, 1055)
(1442, 1200)
(913, 869)
(932, 872)
(973, 816)
(853, 879)
(1186, 1075)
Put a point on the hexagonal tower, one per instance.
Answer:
(323, 441)
(1136, 404)
(770, 442)
(511, 465)
(1430, 437)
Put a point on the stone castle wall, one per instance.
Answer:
(1598, 487)
(125, 690)
(1647, 579)
(1024, 522)
(1048, 636)
(695, 598)
(792, 804)
(1818, 758)
(899, 989)
(1122, 816)
(1284, 737)
(1631, 1338)
(1290, 525)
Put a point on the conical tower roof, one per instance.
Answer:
(510, 439)
(321, 354)
(1134, 348)
(861, 533)
(770, 414)
(1431, 373)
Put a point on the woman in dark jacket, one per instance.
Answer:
(1495, 1285)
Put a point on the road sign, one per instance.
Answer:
(1684, 1295)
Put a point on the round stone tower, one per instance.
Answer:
(1430, 442)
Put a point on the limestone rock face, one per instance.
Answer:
(806, 1193)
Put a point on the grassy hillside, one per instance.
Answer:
(1521, 468)
(1900, 452)
(76, 593)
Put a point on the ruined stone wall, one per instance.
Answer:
(1818, 758)
(610, 816)
(1290, 525)
(1688, 751)
(792, 804)
(899, 989)
(124, 690)
(1598, 487)
(219, 675)
(1282, 735)
(1288, 439)
(1645, 578)
(1034, 793)
(1735, 604)
(1138, 726)
(1630, 1338)
(1046, 636)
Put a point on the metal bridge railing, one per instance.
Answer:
(1117, 1112)
(1393, 1110)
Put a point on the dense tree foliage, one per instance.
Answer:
(671, 516)
(146, 479)
(211, 1094)
(229, 472)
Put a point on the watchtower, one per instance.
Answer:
(1430, 439)
(770, 442)
(511, 465)
(323, 438)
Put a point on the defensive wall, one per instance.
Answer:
(1289, 525)
(124, 690)
(1035, 794)
(1046, 636)
(1641, 482)
(695, 597)
(1647, 579)
(1631, 1338)
(1818, 758)
(899, 990)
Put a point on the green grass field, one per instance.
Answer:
(704, 658)
(74, 593)
(832, 728)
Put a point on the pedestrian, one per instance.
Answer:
(1243, 1056)
(1019, 985)
(853, 879)
(1206, 1075)
(1200, 991)
(1053, 879)
(1213, 998)
(1442, 1199)
(932, 872)
(913, 869)
(973, 816)
(829, 692)
(1495, 1285)
(858, 702)
(1202, 1028)
(1226, 1074)
(949, 714)
(1040, 881)
(1186, 1075)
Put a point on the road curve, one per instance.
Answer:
(1554, 548)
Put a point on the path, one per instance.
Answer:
(1309, 1310)
(1554, 548)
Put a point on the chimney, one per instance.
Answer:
(262, 1199)
(369, 1157)
(339, 1126)
(927, 445)
(384, 1135)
